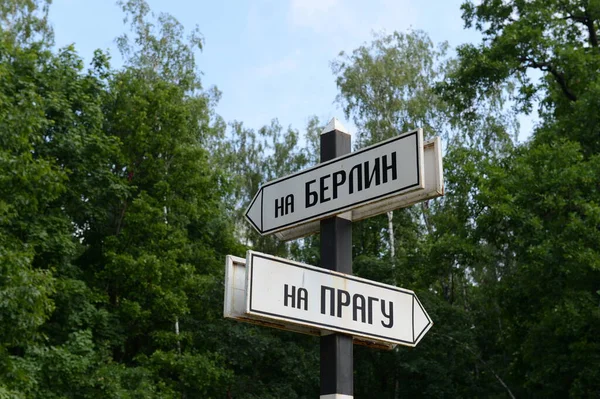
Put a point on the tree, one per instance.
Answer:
(158, 257)
(267, 363)
(112, 226)
(388, 87)
(557, 38)
(535, 301)
(51, 137)
(257, 157)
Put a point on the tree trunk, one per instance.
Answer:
(390, 216)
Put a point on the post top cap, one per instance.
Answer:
(334, 124)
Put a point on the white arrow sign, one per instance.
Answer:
(434, 187)
(234, 306)
(387, 169)
(292, 292)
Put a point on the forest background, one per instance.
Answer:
(122, 190)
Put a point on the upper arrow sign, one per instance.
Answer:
(375, 173)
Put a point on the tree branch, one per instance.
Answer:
(586, 19)
(425, 209)
(589, 22)
(562, 82)
(559, 77)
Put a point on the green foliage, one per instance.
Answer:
(121, 192)
(160, 48)
(256, 157)
(111, 221)
(387, 86)
(43, 100)
(25, 21)
(534, 212)
(557, 38)
(548, 282)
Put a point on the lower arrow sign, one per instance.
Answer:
(292, 292)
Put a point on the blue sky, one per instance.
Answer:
(270, 58)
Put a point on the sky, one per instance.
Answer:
(269, 58)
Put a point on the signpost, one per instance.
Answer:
(329, 301)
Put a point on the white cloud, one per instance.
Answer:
(312, 13)
(278, 67)
(396, 15)
(351, 22)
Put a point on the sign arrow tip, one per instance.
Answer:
(421, 321)
(254, 211)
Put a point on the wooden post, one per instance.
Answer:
(337, 351)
